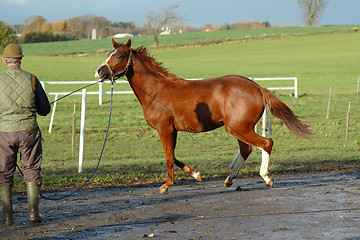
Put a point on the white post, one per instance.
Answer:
(295, 86)
(328, 106)
(43, 85)
(264, 123)
(347, 124)
(100, 93)
(269, 125)
(82, 130)
(53, 113)
(264, 154)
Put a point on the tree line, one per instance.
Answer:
(39, 29)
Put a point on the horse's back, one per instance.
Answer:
(226, 88)
(224, 82)
(207, 103)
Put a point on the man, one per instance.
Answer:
(21, 98)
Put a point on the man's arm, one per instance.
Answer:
(43, 106)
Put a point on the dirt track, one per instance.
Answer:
(318, 206)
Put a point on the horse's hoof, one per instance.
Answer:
(197, 176)
(227, 183)
(163, 190)
(271, 183)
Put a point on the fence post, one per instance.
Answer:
(43, 85)
(296, 88)
(328, 106)
(264, 123)
(100, 93)
(73, 132)
(347, 124)
(264, 154)
(82, 130)
(53, 112)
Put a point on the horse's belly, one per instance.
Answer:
(199, 119)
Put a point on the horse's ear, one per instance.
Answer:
(128, 44)
(115, 44)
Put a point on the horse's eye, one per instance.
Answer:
(118, 57)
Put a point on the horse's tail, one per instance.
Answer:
(285, 114)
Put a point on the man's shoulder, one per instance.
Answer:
(26, 73)
(16, 69)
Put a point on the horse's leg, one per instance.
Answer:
(245, 150)
(188, 170)
(168, 141)
(250, 137)
(264, 172)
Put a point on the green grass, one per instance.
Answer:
(133, 151)
(85, 46)
(318, 61)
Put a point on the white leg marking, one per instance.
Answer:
(197, 176)
(236, 165)
(264, 173)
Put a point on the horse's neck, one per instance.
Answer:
(144, 82)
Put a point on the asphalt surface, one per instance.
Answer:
(316, 206)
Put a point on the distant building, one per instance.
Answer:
(93, 34)
(165, 33)
(209, 30)
(121, 35)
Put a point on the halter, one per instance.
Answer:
(116, 75)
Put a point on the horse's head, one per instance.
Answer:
(117, 62)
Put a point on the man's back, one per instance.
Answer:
(17, 101)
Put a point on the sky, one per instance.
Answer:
(195, 12)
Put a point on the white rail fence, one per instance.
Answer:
(100, 92)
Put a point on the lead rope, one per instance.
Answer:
(113, 77)
(98, 163)
(73, 92)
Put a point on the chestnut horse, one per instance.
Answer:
(171, 104)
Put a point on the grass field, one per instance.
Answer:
(85, 46)
(133, 151)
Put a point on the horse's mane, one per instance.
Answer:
(151, 63)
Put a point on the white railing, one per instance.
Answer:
(294, 87)
(100, 92)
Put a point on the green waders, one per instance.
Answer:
(6, 202)
(33, 195)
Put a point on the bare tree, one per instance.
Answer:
(157, 20)
(312, 10)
